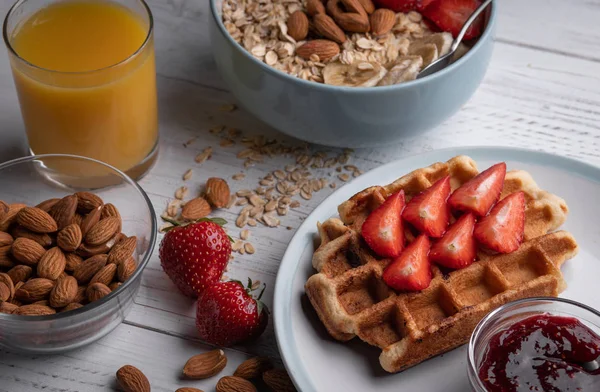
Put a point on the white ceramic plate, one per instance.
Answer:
(316, 362)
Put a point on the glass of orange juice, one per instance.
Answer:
(85, 76)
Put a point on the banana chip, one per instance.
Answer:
(406, 68)
(443, 42)
(359, 74)
(428, 52)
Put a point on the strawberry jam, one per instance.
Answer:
(541, 353)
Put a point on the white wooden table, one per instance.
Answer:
(542, 91)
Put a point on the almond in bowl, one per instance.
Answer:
(61, 254)
(353, 43)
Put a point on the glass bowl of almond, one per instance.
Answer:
(75, 236)
(344, 73)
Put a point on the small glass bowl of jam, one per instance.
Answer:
(536, 345)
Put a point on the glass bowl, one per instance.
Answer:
(512, 312)
(31, 180)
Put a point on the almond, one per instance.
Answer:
(382, 21)
(27, 251)
(36, 220)
(278, 380)
(323, 48)
(64, 211)
(34, 290)
(217, 192)
(368, 6)
(353, 22)
(73, 261)
(34, 310)
(43, 239)
(7, 307)
(47, 205)
(253, 368)
(81, 296)
(96, 291)
(69, 238)
(90, 220)
(114, 285)
(131, 379)
(314, 7)
(88, 268)
(102, 231)
(71, 306)
(205, 365)
(11, 215)
(20, 273)
(195, 209)
(7, 280)
(3, 209)
(126, 268)
(122, 250)
(105, 275)
(327, 27)
(86, 251)
(234, 384)
(184, 389)
(6, 260)
(87, 201)
(4, 292)
(52, 264)
(5, 239)
(297, 25)
(64, 292)
(109, 210)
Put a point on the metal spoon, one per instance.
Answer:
(446, 59)
(592, 365)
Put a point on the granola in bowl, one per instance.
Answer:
(337, 42)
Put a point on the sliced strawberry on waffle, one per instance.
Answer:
(383, 230)
(451, 15)
(411, 270)
(428, 211)
(457, 248)
(480, 193)
(398, 5)
(502, 230)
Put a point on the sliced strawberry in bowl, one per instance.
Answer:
(422, 4)
(503, 229)
(397, 5)
(457, 248)
(383, 230)
(451, 15)
(428, 211)
(480, 193)
(411, 271)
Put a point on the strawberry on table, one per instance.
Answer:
(451, 15)
(410, 271)
(228, 314)
(457, 248)
(194, 256)
(502, 230)
(428, 211)
(398, 5)
(383, 229)
(480, 193)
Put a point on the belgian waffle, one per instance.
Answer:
(352, 300)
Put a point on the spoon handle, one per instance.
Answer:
(468, 24)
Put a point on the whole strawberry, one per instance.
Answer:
(228, 314)
(195, 256)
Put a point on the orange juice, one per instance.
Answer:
(85, 76)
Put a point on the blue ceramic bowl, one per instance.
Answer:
(346, 116)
